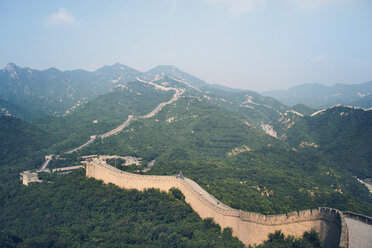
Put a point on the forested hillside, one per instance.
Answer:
(251, 152)
(21, 142)
(236, 162)
(102, 114)
(340, 134)
(29, 93)
(53, 92)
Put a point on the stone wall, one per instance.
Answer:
(29, 177)
(250, 228)
(360, 217)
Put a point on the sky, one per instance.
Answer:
(258, 45)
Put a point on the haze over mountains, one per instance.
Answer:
(318, 96)
(30, 93)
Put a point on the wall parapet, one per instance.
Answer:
(360, 217)
(244, 224)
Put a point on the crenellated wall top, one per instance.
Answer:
(188, 186)
(321, 213)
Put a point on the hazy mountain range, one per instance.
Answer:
(30, 93)
(319, 96)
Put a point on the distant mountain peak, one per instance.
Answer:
(118, 65)
(173, 71)
(11, 67)
(165, 68)
(53, 69)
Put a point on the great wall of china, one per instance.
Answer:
(251, 228)
(32, 176)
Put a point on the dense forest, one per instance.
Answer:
(22, 143)
(73, 211)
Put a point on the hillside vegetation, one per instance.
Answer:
(21, 142)
(236, 162)
(73, 211)
(102, 114)
(341, 134)
(251, 152)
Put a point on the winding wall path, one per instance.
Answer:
(117, 129)
(44, 165)
(251, 228)
(82, 146)
(161, 105)
(177, 94)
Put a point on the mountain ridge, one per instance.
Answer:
(318, 96)
(53, 92)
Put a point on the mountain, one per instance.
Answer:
(53, 92)
(173, 71)
(318, 96)
(342, 134)
(29, 93)
(102, 113)
(117, 73)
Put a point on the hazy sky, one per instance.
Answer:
(251, 44)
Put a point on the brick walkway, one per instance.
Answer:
(360, 234)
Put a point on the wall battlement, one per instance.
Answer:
(360, 217)
(251, 228)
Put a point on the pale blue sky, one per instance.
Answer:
(251, 44)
